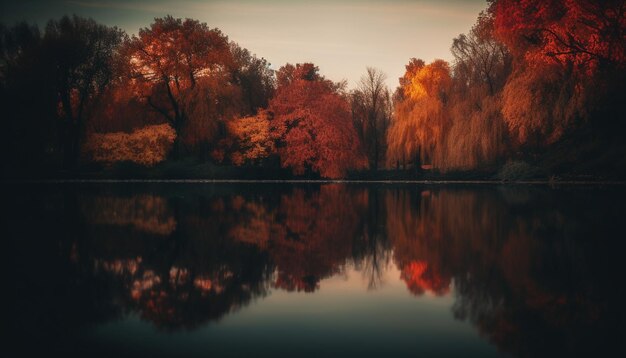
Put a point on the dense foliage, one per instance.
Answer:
(533, 81)
(146, 146)
(312, 124)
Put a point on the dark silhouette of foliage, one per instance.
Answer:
(81, 52)
(55, 78)
(371, 112)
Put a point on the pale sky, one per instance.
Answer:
(342, 37)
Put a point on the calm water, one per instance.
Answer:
(312, 270)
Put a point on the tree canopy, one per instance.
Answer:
(312, 124)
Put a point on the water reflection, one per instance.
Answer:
(534, 270)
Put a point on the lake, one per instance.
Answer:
(314, 269)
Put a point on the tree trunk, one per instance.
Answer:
(178, 147)
(375, 144)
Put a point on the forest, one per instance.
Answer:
(535, 91)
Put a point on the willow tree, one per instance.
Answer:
(568, 69)
(477, 136)
(420, 117)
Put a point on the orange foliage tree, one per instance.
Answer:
(541, 103)
(312, 124)
(146, 146)
(176, 64)
(420, 117)
(248, 140)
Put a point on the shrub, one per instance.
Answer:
(146, 146)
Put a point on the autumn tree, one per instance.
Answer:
(586, 32)
(312, 124)
(182, 68)
(122, 108)
(248, 140)
(371, 113)
(420, 117)
(146, 146)
(477, 135)
(568, 68)
(541, 104)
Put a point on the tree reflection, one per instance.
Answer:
(526, 264)
(550, 273)
(313, 236)
(417, 241)
(523, 264)
(143, 212)
(180, 263)
(193, 275)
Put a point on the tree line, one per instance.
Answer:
(530, 78)
(539, 86)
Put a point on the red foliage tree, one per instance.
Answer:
(568, 65)
(586, 32)
(312, 124)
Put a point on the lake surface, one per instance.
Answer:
(175, 269)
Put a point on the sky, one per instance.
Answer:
(341, 37)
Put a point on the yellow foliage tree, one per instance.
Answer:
(419, 120)
(252, 139)
(146, 146)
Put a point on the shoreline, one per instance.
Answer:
(315, 181)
